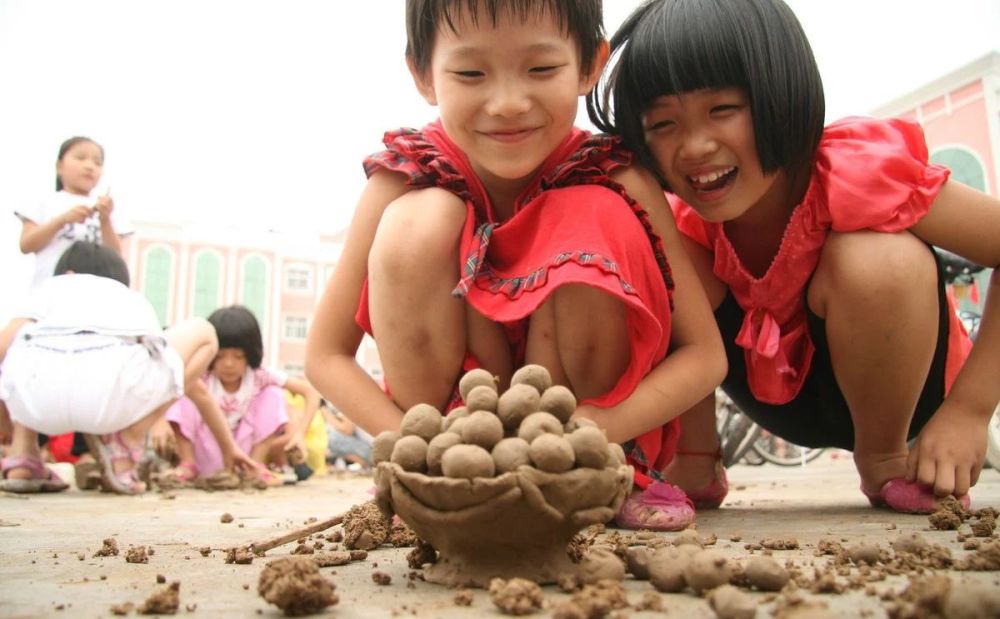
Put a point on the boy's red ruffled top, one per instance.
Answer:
(573, 224)
(867, 175)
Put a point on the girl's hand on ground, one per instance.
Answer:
(161, 436)
(238, 460)
(76, 215)
(949, 452)
(104, 206)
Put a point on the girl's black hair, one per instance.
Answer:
(669, 47)
(237, 327)
(64, 148)
(582, 19)
(93, 259)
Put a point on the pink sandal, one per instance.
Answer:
(660, 507)
(115, 450)
(42, 479)
(908, 497)
(183, 475)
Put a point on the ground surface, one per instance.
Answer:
(47, 543)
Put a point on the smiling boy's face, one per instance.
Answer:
(508, 94)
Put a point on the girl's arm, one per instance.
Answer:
(950, 450)
(300, 386)
(211, 414)
(334, 336)
(35, 236)
(696, 359)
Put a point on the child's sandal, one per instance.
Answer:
(183, 475)
(712, 495)
(660, 507)
(42, 479)
(107, 454)
(908, 497)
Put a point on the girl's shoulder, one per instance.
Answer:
(267, 377)
(874, 173)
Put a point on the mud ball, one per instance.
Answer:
(971, 600)
(559, 401)
(510, 453)
(551, 453)
(536, 424)
(534, 375)
(476, 378)
(601, 564)
(410, 452)
(482, 399)
(436, 448)
(481, 428)
(637, 561)
(728, 602)
(467, 462)
(616, 455)
(765, 574)
(421, 420)
(454, 415)
(708, 569)
(864, 553)
(456, 426)
(912, 542)
(579, 422)
(382, 446)
(667, 565)
(517, 403)
(590, 447)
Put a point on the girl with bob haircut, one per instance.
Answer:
(815, 247)
(251, 397)
(501, 235)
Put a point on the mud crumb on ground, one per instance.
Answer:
(365, 527)
(332, 559)
(381, 578)
(109, 548)
(517, 596)
(464, 597)
(226, 518)
(239, 555)
(161, 579)
(422, 554)
(650, 601)
(122, 609)
(945, 520)
(295, 585)
(163, 602)
(205, 551)
(136, 554)
(779, 543)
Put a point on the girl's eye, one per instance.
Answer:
(725, 108)
(659, 125)
(544, 69)
(468, 74)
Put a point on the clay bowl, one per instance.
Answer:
(515, 525)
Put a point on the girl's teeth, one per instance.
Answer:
(708, 178)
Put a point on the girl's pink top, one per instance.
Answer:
(571, 225)
(868, 174)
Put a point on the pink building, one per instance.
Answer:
(960, 114)
(190, 271)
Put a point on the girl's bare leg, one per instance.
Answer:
(690, 468)
(878, 295)
(412, 268)
(24, 442)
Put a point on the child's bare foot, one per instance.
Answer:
(701, 475)
(876, 469)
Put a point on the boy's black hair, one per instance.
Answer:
(237, 327)
(670, 47)
(93, 259)
(64, 148)
(582, 19)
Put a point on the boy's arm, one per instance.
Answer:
(696, 359)
(334, 336)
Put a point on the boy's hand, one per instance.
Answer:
(77, 215)
(949, 452)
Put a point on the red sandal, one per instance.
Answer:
(908, 497)
(712, 495)
(660, 507)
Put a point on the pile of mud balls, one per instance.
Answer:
(495, 433)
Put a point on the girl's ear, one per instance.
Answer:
(589, 79)
(425, 86)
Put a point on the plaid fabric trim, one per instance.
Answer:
(635, 454)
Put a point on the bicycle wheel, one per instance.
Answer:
(737, 432)
(778, 451)
(993, 440)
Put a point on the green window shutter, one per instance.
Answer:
(964, 166)
(156, 281)
(255, 287)
(206, 284)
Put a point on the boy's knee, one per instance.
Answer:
(418, 232)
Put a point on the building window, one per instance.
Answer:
(964, 165)
(295, 328)
(158, 271)
(255, 287)
(298, 278)
(206, 284)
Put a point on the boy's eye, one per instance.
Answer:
(468, 74)
(544, 69)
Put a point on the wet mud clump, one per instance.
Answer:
(516, 596)
(163, 602)
(365, 527)
(295, 585)
(109, 548)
